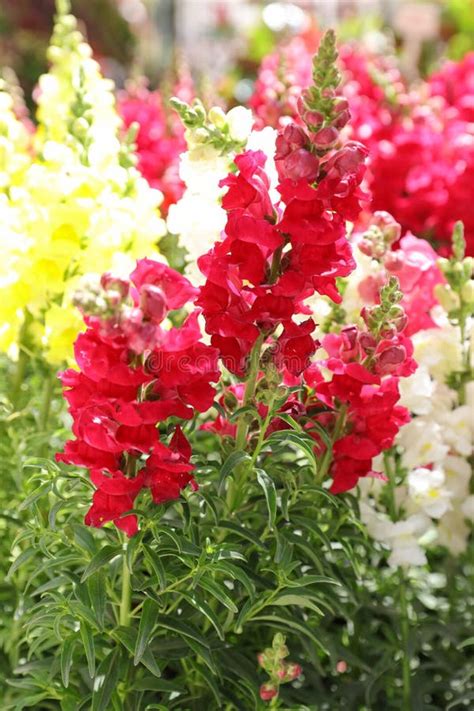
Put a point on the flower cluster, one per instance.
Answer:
(421, 142)
(272, 661)
(135, 373)
(362, 390)
(273, 256)
(430, 469)
(159, 140)
(75, 208)
(213, 138)
(413, 262)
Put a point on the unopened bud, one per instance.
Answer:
(153, 302)
(268, 691)
(467, 291)
(217, 117)
(325, 138)
(109, 282)
(448, 298)
(390, 358)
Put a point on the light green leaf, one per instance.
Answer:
(270, 495)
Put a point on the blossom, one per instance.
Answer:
(422, 443)
(159, 140)
(77, 202)
(426, 489)
(134, 373)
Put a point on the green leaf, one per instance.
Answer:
(205, 610)
(236, 573)
(89, 649)
(229, 465)
(104, 556)
(97, 594)
(270, 495)
(34, 496)
(288, 600)
(151, 683)
(67, 651)
(154, 561)
(302, 442)
(107, 676)
(243, 533)
(127, 636)
(21, 560)
(276, 622)
(145, 629)
(218, 591)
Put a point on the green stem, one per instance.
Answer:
(46, 403)
(405, 638)
(242, 425)
(21, 364)
(126, 597)
(327, 456)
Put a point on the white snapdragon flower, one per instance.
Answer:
(416, 391)
(458, 428)
(422, 442)
(403, 537)
(439, 350)
(457, 473)
(467, 508)
(426, 489)
(240, 121)
(453, 532)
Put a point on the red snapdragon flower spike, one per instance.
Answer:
(121, 393)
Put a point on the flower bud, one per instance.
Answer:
(467, 291)
(448, 298)
(389, 359)
(109, 282)
(153, 302)
(240, 122)
(268, 691)
(390, 228)
(217, 117)
(367, 342)
(300, 164)
(293, 671)
(325, 138)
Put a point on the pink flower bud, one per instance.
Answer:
(367, 342)
(268, 691)
(366, 247)
(290, 139)
(390, 358)
(341, 120)
(293, 671)
(341, 666)
(325, 138)
(311, 118)
(109, 282)
(153, 302)
(300, 164)
(389, 226)
(261, 659)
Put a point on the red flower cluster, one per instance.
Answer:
(133, 374)
(362, 393)
(421, 143)
(273, 257)
(159, 141)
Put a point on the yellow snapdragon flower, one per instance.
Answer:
(81, 205)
